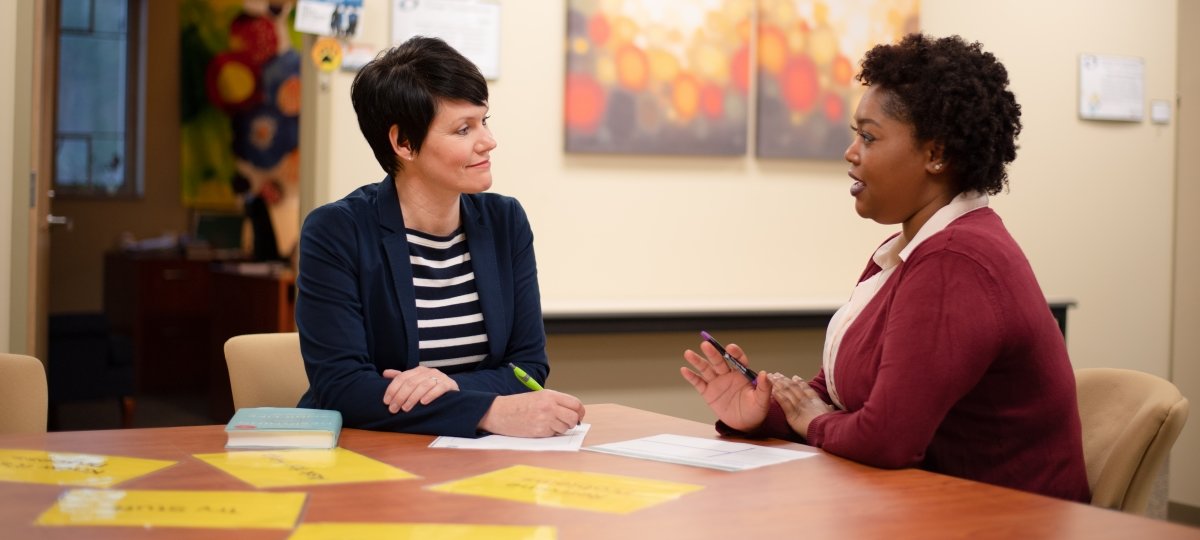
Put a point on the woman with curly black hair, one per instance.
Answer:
(946, 357)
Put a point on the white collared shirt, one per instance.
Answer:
(888, 257)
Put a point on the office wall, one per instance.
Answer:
(8, 48)
(16, 98)
(1093, 203)
(1186, 350)
(1090, 202)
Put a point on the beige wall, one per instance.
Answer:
(16, 97)
(1186, 350)
(796, 217)
(1090, 202)
(8, 169)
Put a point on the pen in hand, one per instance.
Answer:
(525, 378)
(749, 373)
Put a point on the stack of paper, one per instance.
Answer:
(698, 452)
(569, 441)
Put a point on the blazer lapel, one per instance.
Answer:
(395, 246)
(487, 279)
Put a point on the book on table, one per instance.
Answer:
(283, 427)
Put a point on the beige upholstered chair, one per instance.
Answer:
(1130, 421)
(265, 370)
(24, 403)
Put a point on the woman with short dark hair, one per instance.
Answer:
(418, 295)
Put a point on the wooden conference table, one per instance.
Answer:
(818, 497)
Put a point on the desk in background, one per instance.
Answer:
(246, 299)
(178, 313)
(819, 497)
(160, 301)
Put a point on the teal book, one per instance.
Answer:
(283, 427)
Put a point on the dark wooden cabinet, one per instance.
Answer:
(244, 303)
(179, 312)
(161, 302)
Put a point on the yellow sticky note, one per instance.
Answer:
(71, 469)
(280, 468)
(160, 508)
(419, 531)
(597, 492)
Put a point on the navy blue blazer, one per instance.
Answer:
(357, 316)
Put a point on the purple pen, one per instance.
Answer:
(749, 373)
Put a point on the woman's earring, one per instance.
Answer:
(937, 166)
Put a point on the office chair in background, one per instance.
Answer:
(265, 370)
(1130, 421)
(23, 396)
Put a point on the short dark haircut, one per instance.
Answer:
(954, 94)
(402, 87)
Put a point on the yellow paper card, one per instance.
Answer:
(280, 468)
(597, 492)
(69, 469)
(161, 508)
(419, 531)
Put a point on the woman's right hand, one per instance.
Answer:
(739, 404)
(544, 413)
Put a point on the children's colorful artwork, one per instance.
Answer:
(240, 107)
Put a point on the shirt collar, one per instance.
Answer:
(898, 247)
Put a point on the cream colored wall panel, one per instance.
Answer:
(8, 38)
(1185, 468)
(1090, 202)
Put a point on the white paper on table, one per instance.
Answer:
(700, 452)
(564, 442)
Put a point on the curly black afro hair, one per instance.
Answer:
(955, 94)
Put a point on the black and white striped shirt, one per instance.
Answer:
(449, 318)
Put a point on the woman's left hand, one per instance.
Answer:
(417, 385)
(800, 403)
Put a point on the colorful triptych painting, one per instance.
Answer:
(658, 77)
(673, 76)
(808, 54)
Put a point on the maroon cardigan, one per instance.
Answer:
(956, 366)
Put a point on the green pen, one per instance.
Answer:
(525, 378)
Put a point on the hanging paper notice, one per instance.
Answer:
(1111, 87)
(337, 18)
(472, 27)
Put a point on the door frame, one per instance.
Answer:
(29, 248)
